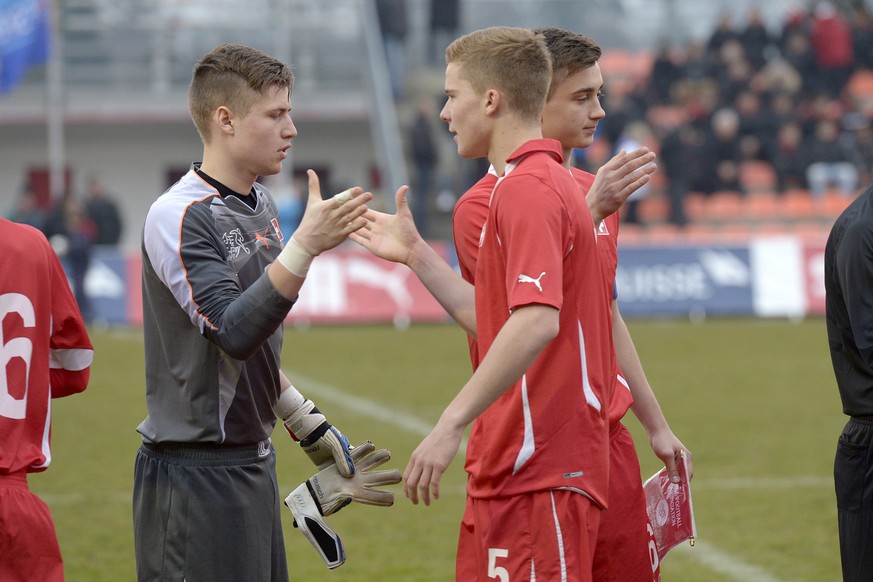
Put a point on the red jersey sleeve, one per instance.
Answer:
(529, 222)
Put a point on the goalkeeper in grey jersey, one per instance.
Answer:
(218, 279)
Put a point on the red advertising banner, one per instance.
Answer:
(344, 285)
(349, 285)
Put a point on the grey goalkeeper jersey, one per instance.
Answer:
(212, 320)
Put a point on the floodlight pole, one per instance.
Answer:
(55, 108)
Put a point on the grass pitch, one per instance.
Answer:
(755, 401)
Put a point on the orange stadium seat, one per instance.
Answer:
(653, 209)
(725, 206)
(833, 204)
(695, 206)
(860, 86)
(757, 176)
(799, 204)
(762, 206)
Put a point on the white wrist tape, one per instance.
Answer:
(295, 258)
(303, 420)
(289, 401)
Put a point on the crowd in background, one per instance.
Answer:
(74, 225)
(748, 93)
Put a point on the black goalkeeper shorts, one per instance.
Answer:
(207, 514)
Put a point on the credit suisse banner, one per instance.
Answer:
(767, 277)
(778, 276)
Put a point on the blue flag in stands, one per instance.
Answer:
(25, 35)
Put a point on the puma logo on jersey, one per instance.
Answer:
(263, 237)
(526, 279)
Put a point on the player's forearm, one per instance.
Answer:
(645, 406)
(519, 343)
(455, 295)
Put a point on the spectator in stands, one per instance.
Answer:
(664, 74)
(829, 160)
(102, 209)
(861, 129)
(862, 37)
(722, 33)
(723, 153)
(786, 159)
(757, 130)
(71, 234)
(425, 157)
(26, 210)
(832, 46)
(636, 134)
(798, 53)
(682, 157)
(697, 65)
(734, 73)
(393, 24)
(755, 38)
(445, 15)
(623, 109)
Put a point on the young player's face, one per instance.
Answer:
(463, 112)
(572, 114)
(263, 136)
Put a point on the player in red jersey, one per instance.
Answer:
(46, 354)
(542, 324)
(571, 114)
(625, 550)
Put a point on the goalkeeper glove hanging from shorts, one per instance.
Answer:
(322, 442)
(327, 492)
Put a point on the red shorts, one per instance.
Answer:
(626, 550)
(28, 543)
(549, 535)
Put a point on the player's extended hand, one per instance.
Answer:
(392, 237)
(617, 179)
(332, 491)
(428, 463)
(327, 223)
(669, 449)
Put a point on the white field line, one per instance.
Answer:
(724, 563)
(704, 552)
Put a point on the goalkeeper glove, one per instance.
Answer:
(307, 517)
(327, 492)
(322, 442)
(331, 492)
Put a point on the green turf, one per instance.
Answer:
(754, 400)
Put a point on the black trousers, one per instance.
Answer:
(853, 480)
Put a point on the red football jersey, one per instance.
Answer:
(468, 218)
(539, 247)
(607, 244)
(46, 352)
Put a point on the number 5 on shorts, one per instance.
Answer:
(495, 571)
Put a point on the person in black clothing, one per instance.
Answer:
(445, 15)
(682, 155)
(394, 25)
(425, 157)
(755, 38)
(103, 212)
(849, 319)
